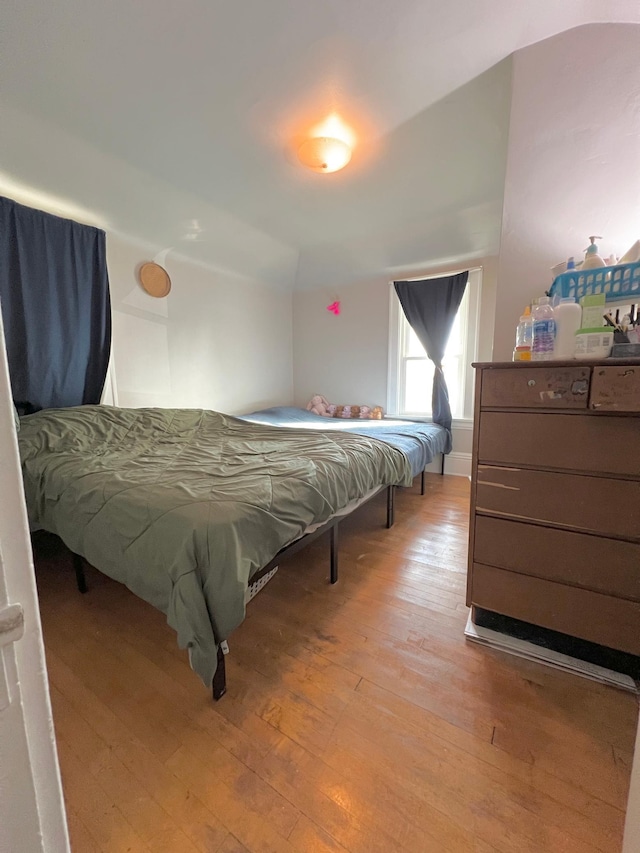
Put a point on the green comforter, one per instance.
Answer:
(184, 506)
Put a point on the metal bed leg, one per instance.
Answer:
(442, 465)
(390, 506)
(422, 482)
(220, 676)
(81, 580)
(334, 553)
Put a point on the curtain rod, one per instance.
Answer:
(438, 275)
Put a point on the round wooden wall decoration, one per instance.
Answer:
(154, 279)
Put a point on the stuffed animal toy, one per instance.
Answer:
(318, 405)
(362, 412)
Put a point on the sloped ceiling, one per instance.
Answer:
(175, 121)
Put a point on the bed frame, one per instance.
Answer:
(219, 685)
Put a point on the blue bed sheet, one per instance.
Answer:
(420, 442)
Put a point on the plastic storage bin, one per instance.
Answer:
(619, 282)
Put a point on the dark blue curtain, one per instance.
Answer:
(430, 307)
(54, 294)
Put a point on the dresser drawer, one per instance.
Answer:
(536, 387)
(615, 389)
(597, 504)
(600, 444)
(602, 565)
(612, 622)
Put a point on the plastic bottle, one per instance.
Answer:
(568, 316)
(524, 336)
(544, 330)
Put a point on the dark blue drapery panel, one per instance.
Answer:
(430, 307)
(54, 293)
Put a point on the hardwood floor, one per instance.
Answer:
(357, 717)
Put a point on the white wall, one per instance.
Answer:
(573, 163)
(434, 204)
(345, 358)
(222, 339)
(219, 340)
(31, 806)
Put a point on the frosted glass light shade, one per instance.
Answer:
(324, 154)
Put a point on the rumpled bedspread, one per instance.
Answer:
(184, 505)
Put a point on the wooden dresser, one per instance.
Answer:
(555, 499)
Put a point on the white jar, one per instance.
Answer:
(568, 315)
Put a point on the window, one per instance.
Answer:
(411, 372)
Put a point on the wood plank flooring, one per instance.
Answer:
(357, 717)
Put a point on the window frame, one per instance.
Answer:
(397, 331)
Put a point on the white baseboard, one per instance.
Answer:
(456, 464)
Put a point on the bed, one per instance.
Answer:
(420, 442)
(186, 507)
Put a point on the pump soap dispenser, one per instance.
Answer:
(592, 259)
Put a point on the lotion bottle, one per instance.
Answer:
(592, 259)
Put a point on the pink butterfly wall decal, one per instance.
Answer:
(334, 307)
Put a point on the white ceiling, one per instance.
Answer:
(153, 113)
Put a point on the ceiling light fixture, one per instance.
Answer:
(328, 146)
(324, 154)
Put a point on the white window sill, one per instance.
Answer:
(457, 423)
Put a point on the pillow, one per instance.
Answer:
(16, 418)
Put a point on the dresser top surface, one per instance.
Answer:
(574, 362)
